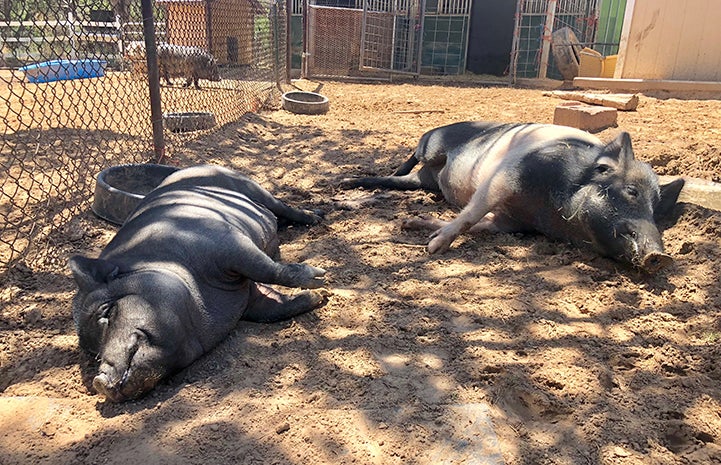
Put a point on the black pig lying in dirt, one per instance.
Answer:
(192, 260)
(191, 63)
(556, 180)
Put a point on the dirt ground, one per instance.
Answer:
(507, 348)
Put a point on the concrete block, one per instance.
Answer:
(586, 117)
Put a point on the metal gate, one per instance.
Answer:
(392, 31)
(362, 38)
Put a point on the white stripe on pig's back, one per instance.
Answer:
(482, 162)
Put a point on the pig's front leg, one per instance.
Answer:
(487, 223)
(476, 215)
(267, 305)
(442, 238)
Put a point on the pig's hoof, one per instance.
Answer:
(439, 244)
(349, 183)
(422, 222)
(319, 296)
(306, 276)
(315, 216)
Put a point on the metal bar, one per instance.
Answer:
(306, 35)
(364, 20)
(289, 5)
(151, 57)
(276, 44)
(421, 20)
(513, 72)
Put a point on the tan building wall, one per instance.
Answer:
(671, 39)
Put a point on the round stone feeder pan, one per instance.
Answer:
(119, 189)
(308, 103)
(189, 121)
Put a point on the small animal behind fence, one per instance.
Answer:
(190, 63)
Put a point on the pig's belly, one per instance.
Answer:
(480, 162)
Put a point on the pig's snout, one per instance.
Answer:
(655, 261)
(644, 246)
(105, 386)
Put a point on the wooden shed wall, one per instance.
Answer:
(671, 39)
(186, 25)
(232, 18)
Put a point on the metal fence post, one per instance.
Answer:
(151, 55)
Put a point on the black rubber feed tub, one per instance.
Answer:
(189, 121)
(119, 189)
(308, 103)
(566, 50)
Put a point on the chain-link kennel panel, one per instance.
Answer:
(445, 37)
(333, 33)
(536, 20)
(392, 32)
(74, 97)
(378, 38)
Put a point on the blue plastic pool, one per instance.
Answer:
(61, 70)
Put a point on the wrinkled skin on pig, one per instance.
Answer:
(191, 63)
(556, 180)
(195, 257)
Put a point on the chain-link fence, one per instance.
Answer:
(596, 23)
(75, 95)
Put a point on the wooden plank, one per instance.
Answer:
(628, 17)
(639, 85)
(625, 102)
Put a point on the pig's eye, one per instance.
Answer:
(602, 169)
(632, 191)
(104, 311)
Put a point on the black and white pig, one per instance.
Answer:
(196, 256)
(191, 63)
(556, 180)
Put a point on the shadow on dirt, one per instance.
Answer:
(570, 348)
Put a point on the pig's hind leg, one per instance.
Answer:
(258, 194)
(426, 178)
(266, 305)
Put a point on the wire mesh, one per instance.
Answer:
(445, 37)
(356, 37)
(392, 33)
(334, 35)
(74, 96)
(532, 29)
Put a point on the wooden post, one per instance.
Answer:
(546, 38)
(624, 41)
(209, 26)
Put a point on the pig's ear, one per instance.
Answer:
(90, 273)
(669, 197)
(617, 153)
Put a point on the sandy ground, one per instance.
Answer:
(506, 348)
